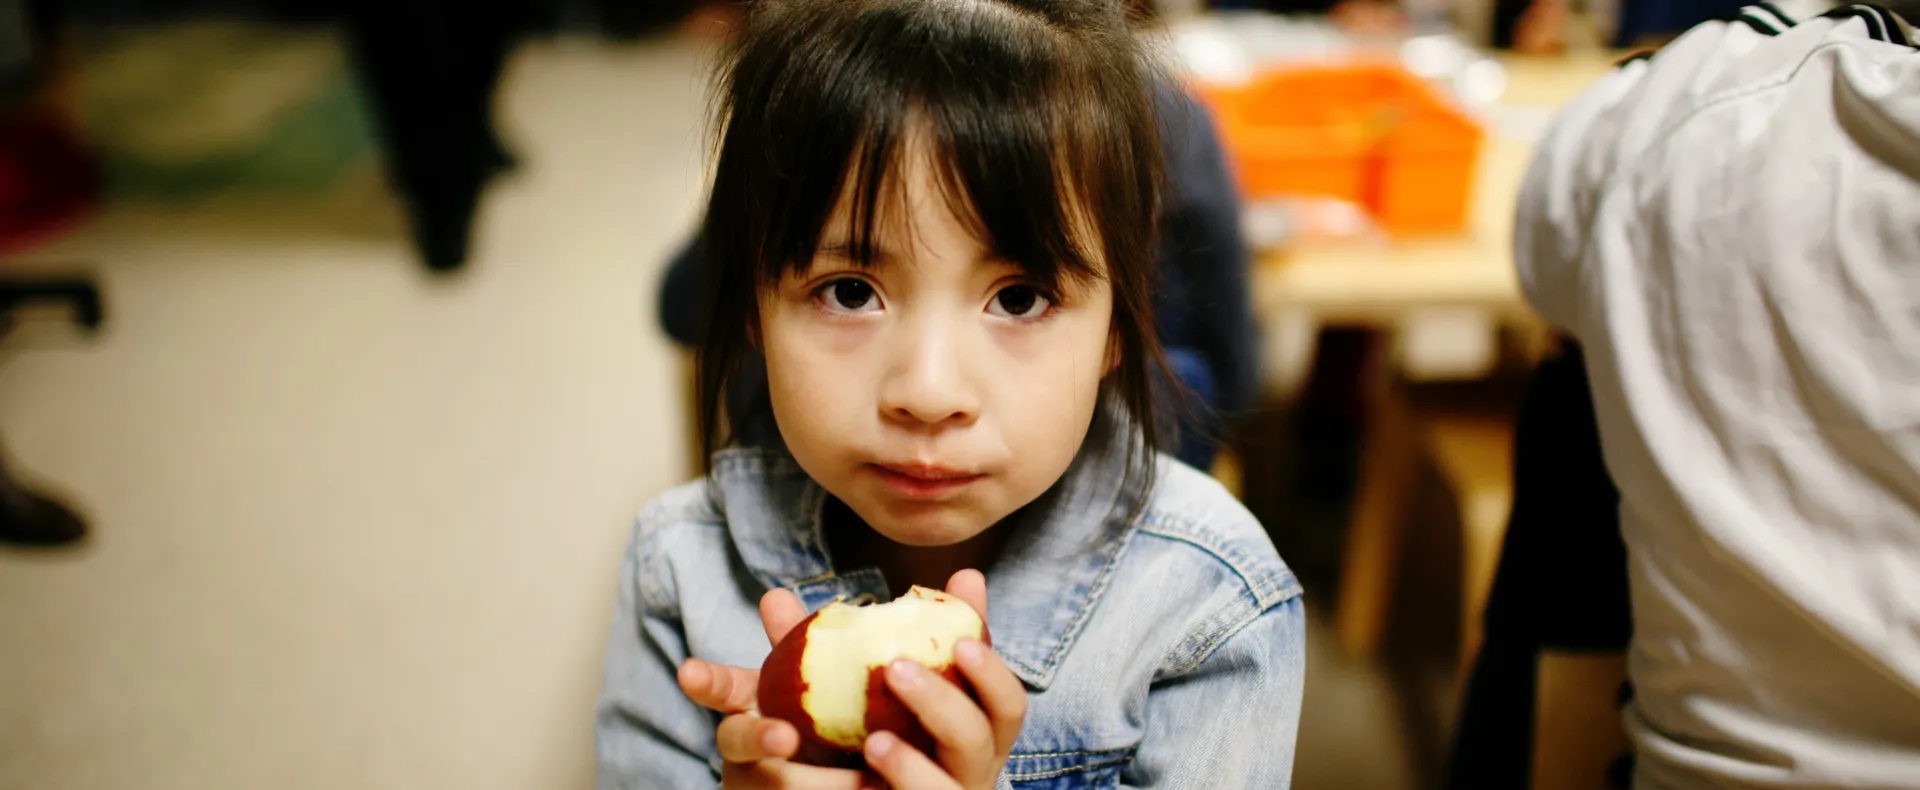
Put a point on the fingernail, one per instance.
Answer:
(969, 653)
(770, 741)
(906, 674)
(878, 744)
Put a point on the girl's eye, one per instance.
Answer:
(1020, 302)
(848, 295)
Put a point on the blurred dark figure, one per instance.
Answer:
(1538, 26)
(430, 68)
(1355, 16)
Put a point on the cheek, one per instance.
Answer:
(815, 383)
(1052, 394)
(795, 381)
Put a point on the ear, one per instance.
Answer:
(1113, 354)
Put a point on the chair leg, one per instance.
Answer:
(29, 518)
(32, 519)
(1389, 465)
(1475, 455)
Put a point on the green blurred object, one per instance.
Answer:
(198, 109)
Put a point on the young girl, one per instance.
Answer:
(932, 220)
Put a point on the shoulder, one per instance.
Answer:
(1670, 116)
(1723, 101)
(684, 520)
(1199, 566)
(688, 506)
(1192, 510)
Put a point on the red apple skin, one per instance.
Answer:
(782, 688)
(887, 713)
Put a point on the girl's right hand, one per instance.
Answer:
(759, 752)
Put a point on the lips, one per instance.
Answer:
(923, 481)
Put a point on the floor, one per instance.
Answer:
(356, 526)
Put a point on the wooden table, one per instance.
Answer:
(1372, 284)
(1389, 286)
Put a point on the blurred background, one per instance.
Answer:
(333, 372)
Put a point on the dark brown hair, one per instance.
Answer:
(1041, 119)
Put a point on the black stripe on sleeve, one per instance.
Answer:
(1876, 23)
(1760, 25)
(1780, 17)
(1896, 33)
(1634, 58)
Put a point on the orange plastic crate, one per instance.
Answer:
(1372, 134)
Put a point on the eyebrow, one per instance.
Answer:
(851, 252)
(880, 255)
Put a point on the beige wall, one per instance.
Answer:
(355, 528)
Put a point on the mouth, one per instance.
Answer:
(923, 481)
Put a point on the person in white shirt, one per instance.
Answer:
(1730, 229)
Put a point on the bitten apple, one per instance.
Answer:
(828, 676)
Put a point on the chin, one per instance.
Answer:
(925, 525)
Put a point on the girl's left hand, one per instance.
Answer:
(973, 740)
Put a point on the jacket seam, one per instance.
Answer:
(1230, 618)
(1264, 588)
(1220, 638)
(1113, 757)
(1071, 635)
(1070, 753)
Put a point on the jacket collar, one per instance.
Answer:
(1040, 593)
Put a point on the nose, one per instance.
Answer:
(927, 384)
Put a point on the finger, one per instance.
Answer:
(904, 766)
(747, 738)
(1001, 695)
(719, 687)
(815, 754)
(780, 611)
(971, 586)
(793, 776)
(958, 725)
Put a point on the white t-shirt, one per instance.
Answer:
(1732, 231)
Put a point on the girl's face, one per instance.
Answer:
(938, 391)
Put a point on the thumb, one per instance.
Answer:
(971, 586)
(780, 611)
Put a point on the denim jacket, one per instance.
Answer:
(1161, 645)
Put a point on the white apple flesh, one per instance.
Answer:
(828, 676)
